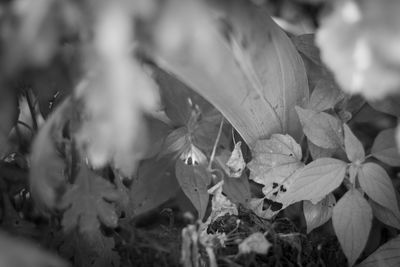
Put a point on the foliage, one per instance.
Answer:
(111, 109)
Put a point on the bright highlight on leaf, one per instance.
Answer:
(256, 243)
(352, 220)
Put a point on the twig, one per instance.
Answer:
(215, 144)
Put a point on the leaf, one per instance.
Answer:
(354, 149)
(385, 255)
(376, 183)
(385, 215)
(389, 105)
(322, 129)
(274, 160)
(306, 45)
(15, 252)
(89, 202)
(237, 190)
(236, 162)
(47, 173)
(8, 117)
(325, 95)
(242, 62)
(157, 133)
(318, 214)
(194, 181)
(319, 152)
(352, 220)
(155, 184)
(315, 180)
(385, 149)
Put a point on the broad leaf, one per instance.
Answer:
(155, 184)
(385, 149)
(389, 105)
(89, 202)
(385, 215)
(352, 220)
(325, 95)
(47, 173)
(322, 129)
(242, 62)
(376, 183)
(194, 181)
(354, 149)
(386, 255)
(318, 214)
(306, 45)
(316, 180)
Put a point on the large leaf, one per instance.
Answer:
(154, 184)
(194, 181)
(318, 214)
(376, 183)
(316, 180)
(385, 215)
(385, 149)
(386, 255)
(352, 220)
(321, 128)
(241, 62)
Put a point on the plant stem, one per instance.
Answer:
(216, 144)
(32, 110)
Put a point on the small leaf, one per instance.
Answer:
(316, 180)
(352, 220)
(385, 215)
(236, 162)
(389, 105)
(319, 152)
(256, 243)
(376, 183)
(318, 214)
(354, 149)
(322, 129)
(386, 255)
(194, 181)
(325, 96)
(385, 149)
(237, 190)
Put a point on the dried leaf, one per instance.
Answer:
(352, 220)
(256, 243)
(236, 162)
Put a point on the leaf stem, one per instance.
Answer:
(216, 144)
(32, 110)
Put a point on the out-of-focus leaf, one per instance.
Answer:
(385, 255)
(389, 105)
(256, 243)
(241, 62)
(376, 183)
(385, 149)
(325, 95)
(315, 180)
(354, 149)
(8, 117)
(89, 202)
(385, 215)
(194, 181)
(352, 220)
(22, 253)
(358, 41)
(305, 43)
(47, 175)
(157, 133)
(155, 184)
(321, 128)
(318, 214)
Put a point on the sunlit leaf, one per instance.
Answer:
(385, 149)
(194, 181)
(354, 149)
(256, 243)
(385, 255)
(377, 184)
(352, 220)
(318, 214)
(315, 180)
(321, 128)
(241, 62)
(385, 215)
